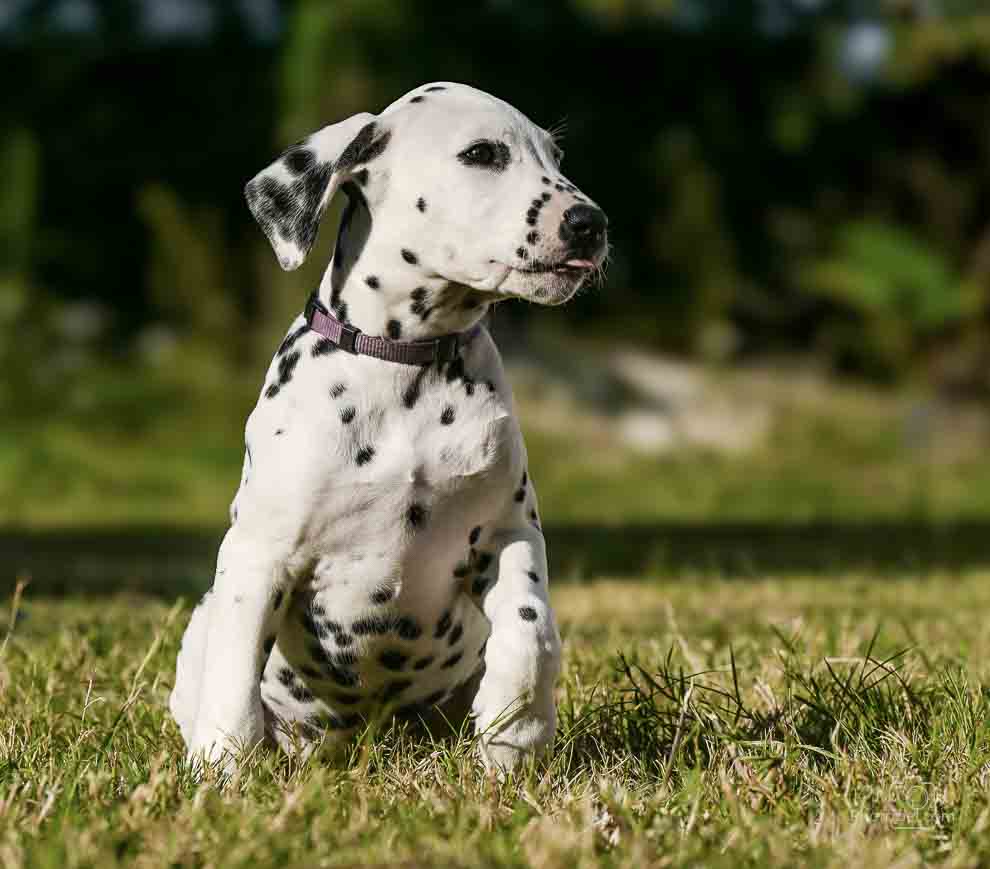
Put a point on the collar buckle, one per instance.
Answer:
(348, 338)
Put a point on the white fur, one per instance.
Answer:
(318, 526)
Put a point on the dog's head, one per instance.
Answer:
(462, 185)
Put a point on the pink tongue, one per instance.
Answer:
(580, 263)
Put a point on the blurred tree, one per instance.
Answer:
(771, 169)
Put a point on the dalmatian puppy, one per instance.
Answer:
(385, 553)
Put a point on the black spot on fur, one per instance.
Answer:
(484, 561)
(394, 329)
(421, 204)
(409, 257)
(452, 660)
(394, 689)
(393, 659)
(533, 575)
(286, 366)
(383, 595)
(521, 253)
(474, 535)
(455, 634)
(462, 570)
(291, 339)
(278, 599)
(364, 455)
(361, 177)
(407, 628)
(480, 584)
(366, 146)
(436, 87)
(527, 614)
(447, 417)
(269, 645)
(414, 390)
(323, 347)
(455, 370)
(373, 282)
(532, 237)
(520, 495)
(423, 663)
(299, 160)
(286, 676)
(443, 625)
(533, 212)
(417, 99)
(344, 678)
(347, 415)
(279, 431)
(343, 639)
(546, 196)
(371, 625)
(301, 693)
(525, 479)
(344, 659)
(416, 515)
(337, 390)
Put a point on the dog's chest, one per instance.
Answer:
(400, 474)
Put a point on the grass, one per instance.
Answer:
(132, 445)
(832, 721)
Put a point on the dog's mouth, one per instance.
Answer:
(573, 267)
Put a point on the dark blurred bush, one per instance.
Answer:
(804, 176)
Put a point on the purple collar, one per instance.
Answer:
(443, 349)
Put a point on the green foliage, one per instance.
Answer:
(725, 163)
(900, 290)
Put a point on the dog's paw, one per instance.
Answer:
(220, 753)
(501, 759)
(512, 734)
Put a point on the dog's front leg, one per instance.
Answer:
(514, 707)
(246, 609)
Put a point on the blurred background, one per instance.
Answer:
(799, 204)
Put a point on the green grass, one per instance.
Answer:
(840, 721)
(127, 448)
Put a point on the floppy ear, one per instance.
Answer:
(289, 197)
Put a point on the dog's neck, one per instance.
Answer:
(371, 287)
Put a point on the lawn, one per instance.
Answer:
(829, 721)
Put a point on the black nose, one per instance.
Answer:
(583, 224)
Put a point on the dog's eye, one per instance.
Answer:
(486, 155)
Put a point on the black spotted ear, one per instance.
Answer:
(289, 197)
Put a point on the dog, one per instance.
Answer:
(385, 554)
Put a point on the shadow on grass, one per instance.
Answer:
(169, 562)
